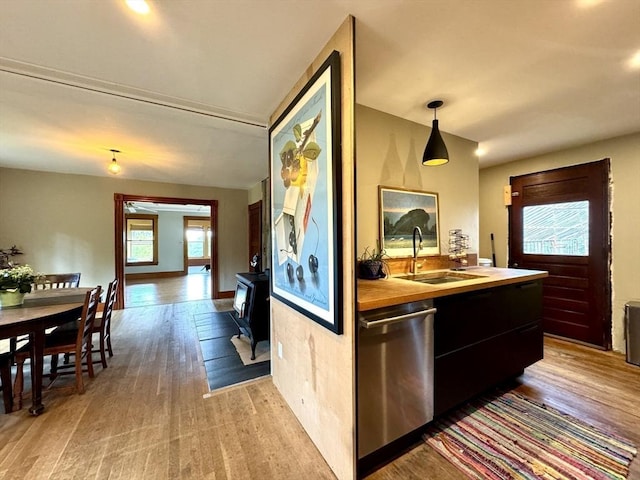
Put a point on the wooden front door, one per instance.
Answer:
(255, 230)
(559, 222)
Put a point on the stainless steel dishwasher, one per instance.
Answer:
(395, 373)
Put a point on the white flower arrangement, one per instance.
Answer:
(17, 278)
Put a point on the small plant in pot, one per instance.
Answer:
(372, 264)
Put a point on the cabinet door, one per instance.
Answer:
(468, 318)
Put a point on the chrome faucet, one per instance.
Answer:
(414, 260)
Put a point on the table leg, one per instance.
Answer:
(37, 359)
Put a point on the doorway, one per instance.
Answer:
(120, 202)
(559, 222)
(255, 231)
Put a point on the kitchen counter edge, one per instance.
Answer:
(392, 291)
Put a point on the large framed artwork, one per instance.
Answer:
(306, 205)
(400, 211)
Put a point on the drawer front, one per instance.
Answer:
(468, 318)
(525, 303)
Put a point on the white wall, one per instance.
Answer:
(624, 153)
(65, 223)
(389, 152)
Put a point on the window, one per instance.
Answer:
(556, 229)
(198, 233)
(142, 239)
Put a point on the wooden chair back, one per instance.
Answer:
(57, 280)
(85, 328)
(102, 323)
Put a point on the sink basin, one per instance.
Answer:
(435, 278)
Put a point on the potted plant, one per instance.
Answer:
(15, 281)
(372, 264)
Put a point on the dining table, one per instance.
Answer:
(41, 310)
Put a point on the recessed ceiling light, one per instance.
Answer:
(138, 6)
(480, 151)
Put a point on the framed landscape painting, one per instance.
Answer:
(400, 211)
(306, 200)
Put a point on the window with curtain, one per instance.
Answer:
(142, 239)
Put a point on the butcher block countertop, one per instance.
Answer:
(394, 291)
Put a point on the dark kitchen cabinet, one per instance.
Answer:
(483, 338)
(251, 307)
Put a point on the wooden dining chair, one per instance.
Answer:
(5, 376)
(57, 280)
(102, 323)
(78, 343)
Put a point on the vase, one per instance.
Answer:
(371, 269)
(11, 299)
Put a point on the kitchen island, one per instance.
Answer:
(485, 327)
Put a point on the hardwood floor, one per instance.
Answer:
(161, 291)
(149, 414)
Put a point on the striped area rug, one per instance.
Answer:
(512, 437)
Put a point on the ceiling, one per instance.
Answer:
(185, 92)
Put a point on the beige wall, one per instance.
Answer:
(624, 153)
(65, 222)
(316, 374)
(389, 152)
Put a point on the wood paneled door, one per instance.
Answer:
(559, 222)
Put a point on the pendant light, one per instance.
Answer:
(114, 168)
(436, 151)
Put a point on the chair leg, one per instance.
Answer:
(18, 385)
(79, 382)
(53, 373)
(7, 393)
(103, 356)
(109, 345)
(89, 360)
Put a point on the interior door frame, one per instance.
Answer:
(257, 206)
(119, 200)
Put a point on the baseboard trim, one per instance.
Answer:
(145, 275)
(227, 294)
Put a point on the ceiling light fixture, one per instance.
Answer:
(634, 61)
(138, 6)
(114, 168)
(436, 151)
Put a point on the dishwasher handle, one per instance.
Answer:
(396, 319)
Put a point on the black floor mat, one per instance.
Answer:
(221, 360)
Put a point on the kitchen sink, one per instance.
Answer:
(436, 278)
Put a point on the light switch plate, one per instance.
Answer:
(507, 195)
